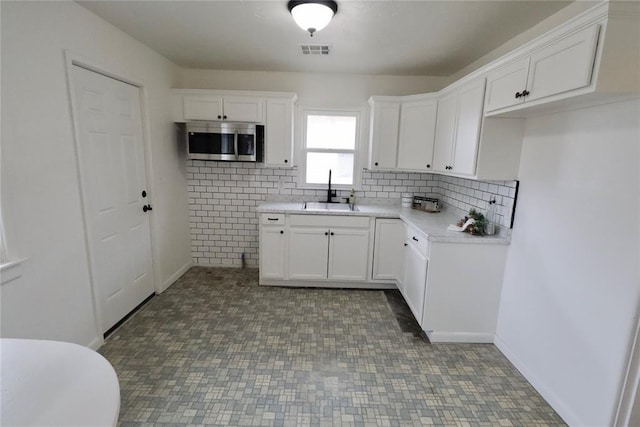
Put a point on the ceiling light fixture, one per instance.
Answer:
(312, 15)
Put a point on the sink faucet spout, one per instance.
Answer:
(330, 194)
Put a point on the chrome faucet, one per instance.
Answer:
(330, 194)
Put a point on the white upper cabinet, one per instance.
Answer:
(198, 107)
(221, 108)
(417, 133)
(242, 109)
(468, 122)
(564, 65)
(458, 129)
(504, 83)
(402, 132)
(385, 120)
(279, 131)
(445, 132)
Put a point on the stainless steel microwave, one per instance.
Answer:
(239, 142)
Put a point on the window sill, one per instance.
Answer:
(11, 270)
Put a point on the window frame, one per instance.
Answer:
(359, 114)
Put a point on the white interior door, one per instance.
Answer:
(110, 149)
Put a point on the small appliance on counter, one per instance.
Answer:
(426, 204)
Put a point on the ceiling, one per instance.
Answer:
(435, 38)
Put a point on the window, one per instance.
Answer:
(330, 142)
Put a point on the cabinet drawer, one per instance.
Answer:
(418, 240)
(272, 219)
(330, 221)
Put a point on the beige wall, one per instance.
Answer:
(548, 24)
(316, 90)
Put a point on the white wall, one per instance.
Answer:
(571, 286)
(314, 90)
(40, 188)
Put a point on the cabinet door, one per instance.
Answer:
(445, 132)
(563, 66)
(348, 254)
(308, 253)
(468, 122)
(504, 83)
(272, 252)
(415, 276)
(243, 109)
(278, 144)
(202, 107)
(385, 117)
(387, 252)
(417, 133)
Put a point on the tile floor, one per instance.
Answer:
(217, 349)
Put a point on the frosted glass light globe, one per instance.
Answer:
(312, 17)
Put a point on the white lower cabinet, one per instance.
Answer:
(348, 254)
(309, 253)
(415, 271)
(273, 246)
(329, 248)
(462, 292)
(387, 251)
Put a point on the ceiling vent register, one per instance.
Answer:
(315, 49)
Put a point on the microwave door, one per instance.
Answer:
(246, 147)
(211, 145)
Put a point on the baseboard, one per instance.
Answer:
(175, 276)
(96, 343)
(461, 337)
(326, 284)
(566, 413)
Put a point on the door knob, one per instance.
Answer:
(147, 208)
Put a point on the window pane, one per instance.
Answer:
(331, 132)
(341, 165)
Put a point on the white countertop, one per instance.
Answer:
(51, 383)
(432, 225)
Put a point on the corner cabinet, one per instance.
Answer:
(387, 252)
(402, 132)
(458, 129)
(417, 132)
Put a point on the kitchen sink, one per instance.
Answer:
(330, 207)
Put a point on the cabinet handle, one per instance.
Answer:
(272, 219)
(224, 117)
(219, 117)
(406, 244)
(326, 233)
(332, 233)
(286, 161)
(414, 238)
(376, 163)
(428, 166)
(281, 232)
(525, 92)
(519, 95)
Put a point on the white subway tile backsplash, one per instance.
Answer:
(222, 201)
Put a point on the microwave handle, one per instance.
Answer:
(235, 144)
